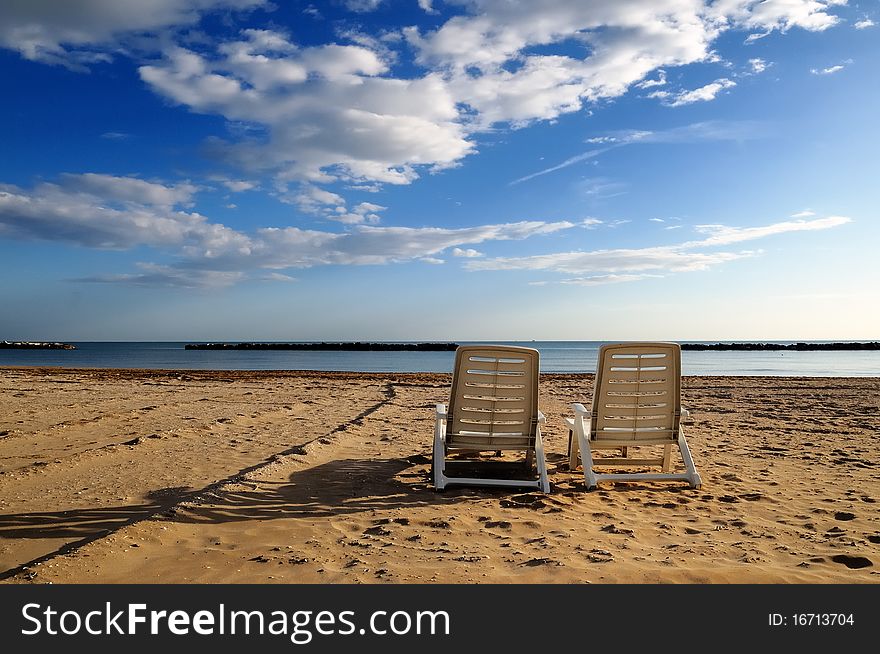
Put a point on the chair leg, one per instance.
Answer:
(541, 462)
(572, 451)
(693, 475)
(586, 459)
(438, 460)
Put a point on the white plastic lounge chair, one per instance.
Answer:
(636, 402)
(493, 406)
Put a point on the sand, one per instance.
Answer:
(133, 476)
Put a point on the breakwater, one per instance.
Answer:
(357, 346)
(35, 345)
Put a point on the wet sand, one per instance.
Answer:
(136, 476)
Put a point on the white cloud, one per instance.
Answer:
(806, 213)
(123, 213)
(831, 69)
(312, 199)
(239, 185)
(468, 253)
(702, 94)
(108, 212)
(758, 65)
(865, 23)
(432, 260)
(365, 212)
(327, 112)
(723, 235)
(811, 15)
(601, 140)
(651, 83)
(338, 113)
(683, 257)
(427, 6)
(363, 6)
(75, 33)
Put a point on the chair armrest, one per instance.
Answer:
(440, 411)
(580, 409)
(541, 418)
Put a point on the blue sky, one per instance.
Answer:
(461, 170)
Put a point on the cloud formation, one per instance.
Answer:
(629, 264)
(107, 212)
(76, 33)
(344, 112)
(830, 70)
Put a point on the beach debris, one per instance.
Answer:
(523, 501)
(438, 523)
(614, 529)
(378, 530)
(600, 556)
(531, 563)
(388, 521)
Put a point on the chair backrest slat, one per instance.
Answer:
(494, 394)
(637, 392)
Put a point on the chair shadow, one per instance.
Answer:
(334, 488)
(89, 522)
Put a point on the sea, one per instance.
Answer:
(555, 356)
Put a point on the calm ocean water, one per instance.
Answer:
(556, 356)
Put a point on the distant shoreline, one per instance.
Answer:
(355, 346)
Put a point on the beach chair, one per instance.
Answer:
(636, 403)
(493, 407)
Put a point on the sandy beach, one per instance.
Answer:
(121, 476)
